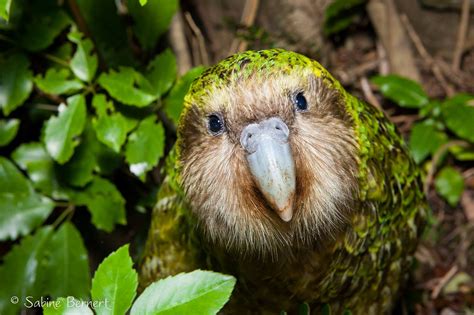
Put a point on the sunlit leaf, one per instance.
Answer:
(57, 81)
(61, 130)
(16, 82)
(404, 92)
(5, 8)
(84, 62)
(145, 146)
(115, 281)
(21, 208)
(449, 183)
(197, 292)
(67, 306)
(20, 269)
(127, 86)
(112, 130)
(8, 130)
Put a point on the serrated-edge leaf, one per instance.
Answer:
(56, 81)
(201, 292)
(121, 85)
(115, 282)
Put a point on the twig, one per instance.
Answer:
(201, 43)
(248, 18)
(179, 44)
(369, 95)
(468, 173)
(57, 60)
(462, 31)
(443, 281)
(426, 56)
(384, 66)
(436, 158)
(48, 107)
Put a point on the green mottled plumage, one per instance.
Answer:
(361, 270)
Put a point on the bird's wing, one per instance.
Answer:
(172, 245)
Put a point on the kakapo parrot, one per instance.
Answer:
(286, 181)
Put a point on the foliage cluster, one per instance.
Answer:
(444, 129)
(88, 91)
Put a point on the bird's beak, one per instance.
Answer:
(271, 163)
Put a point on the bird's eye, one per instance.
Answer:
(215, 124)
(300, 102)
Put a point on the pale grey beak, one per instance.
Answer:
(271, 163)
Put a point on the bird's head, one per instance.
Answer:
(267, 153)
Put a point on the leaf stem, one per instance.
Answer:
(66, 213)
(56, 60)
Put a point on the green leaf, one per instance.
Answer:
(8, 130)
(174, 101)
(108, 30)
(161, 72)
(143, 2)
(84, 62)
(5, 8)
(15, 82)
(21, 208)
(61, 130)
(21, 269)
(104, 201)
(152, 21)
(404, 92)
(56, 82)
(425, 139)
(449, 183)
(67, 306)
(66, 266)
(112, 130)
(145, 146)
(197, 292)
(115, 281)
(462, 153)
(78, 171)
(127, 86)
(41, 24)
(340, 14)
(33, 158)
(458, 115)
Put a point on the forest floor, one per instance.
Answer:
(445, 257)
